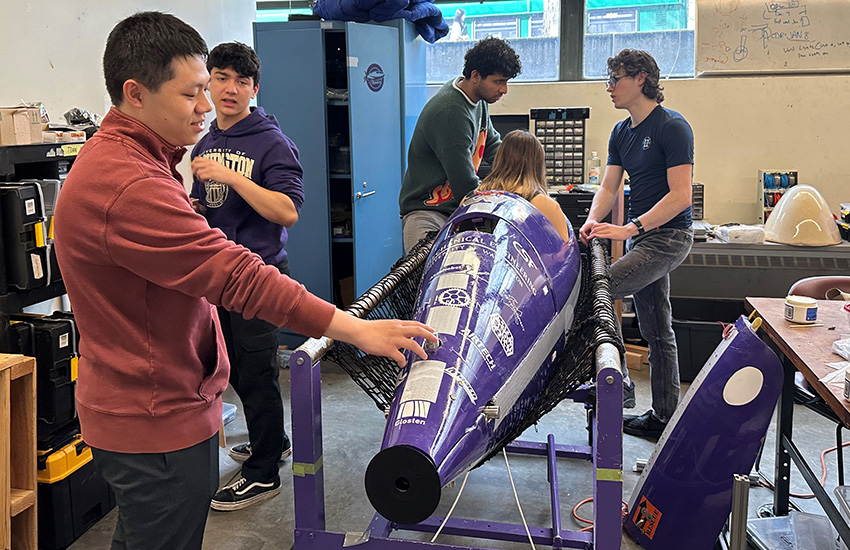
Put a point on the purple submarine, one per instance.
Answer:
(499, 288)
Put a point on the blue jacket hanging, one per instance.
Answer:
(427, 17)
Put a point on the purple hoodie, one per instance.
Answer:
(256, 148)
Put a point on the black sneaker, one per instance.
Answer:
(645, 425)
(240, 453)
(629, 395)
(243, 493)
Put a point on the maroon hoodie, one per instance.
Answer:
(143, 272)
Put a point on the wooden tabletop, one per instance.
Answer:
(809, 349)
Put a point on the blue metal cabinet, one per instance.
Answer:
(350, 148)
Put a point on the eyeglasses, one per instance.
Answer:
(612, 82)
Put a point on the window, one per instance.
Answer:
(664, 28)
(535, 29)
(555, 39)
(268, 11)
(531, 26)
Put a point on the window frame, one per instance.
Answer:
(572, 27)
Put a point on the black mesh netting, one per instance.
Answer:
(394, 297)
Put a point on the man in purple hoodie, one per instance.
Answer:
(248, 184)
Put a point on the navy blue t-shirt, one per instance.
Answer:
(662, 140)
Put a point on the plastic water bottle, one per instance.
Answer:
(594, 167)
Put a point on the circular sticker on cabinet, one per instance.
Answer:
(374, 77)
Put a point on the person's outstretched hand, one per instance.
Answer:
(385, 337)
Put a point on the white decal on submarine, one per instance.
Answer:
(415, 409)
(423, 381)
(444, 319)
(511, 302)
(462, 257)
(480, 207)
(463, 383)
(479, 345)
(503, 333)
(454, 297)
(522, 276)
(524, 255)
(453, 280)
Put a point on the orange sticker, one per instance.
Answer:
(646, 517)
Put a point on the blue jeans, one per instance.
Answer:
(644, 272)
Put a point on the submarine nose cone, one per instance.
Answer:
(403, 485)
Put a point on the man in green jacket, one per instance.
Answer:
(452, 136)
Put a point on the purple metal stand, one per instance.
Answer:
(606, 453)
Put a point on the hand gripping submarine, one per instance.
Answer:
(500, 290)
(524, 320)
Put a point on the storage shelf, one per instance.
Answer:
(338, 102)
(340, 176)
(342, 239)
(17, 452)
(21, 500)
(16, 301)
(10, 155)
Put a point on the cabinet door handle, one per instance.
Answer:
(360, 195)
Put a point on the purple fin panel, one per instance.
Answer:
(684, 495)
(499, 288)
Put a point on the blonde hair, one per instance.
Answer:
(519, 166)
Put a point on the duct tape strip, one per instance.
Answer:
(609, 474)
(302, 469)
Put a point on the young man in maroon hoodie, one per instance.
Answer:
(145, 272)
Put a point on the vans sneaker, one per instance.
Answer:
(240, 453)
(243, 493)
(646, 425)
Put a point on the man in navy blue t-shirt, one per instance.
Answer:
(656, 147)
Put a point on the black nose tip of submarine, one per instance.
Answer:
(403, 485)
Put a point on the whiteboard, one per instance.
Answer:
(773, 36)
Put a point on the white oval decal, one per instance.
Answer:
(743, 386)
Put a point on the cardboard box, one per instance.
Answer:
(20, 125)
(346, 291)
(633, 361)
(53, 136)
(636, 357)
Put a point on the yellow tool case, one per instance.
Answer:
(72, 496)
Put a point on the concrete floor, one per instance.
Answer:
(353, 428)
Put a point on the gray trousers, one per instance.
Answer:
(415, 225)
(163, 498)
(644, 272)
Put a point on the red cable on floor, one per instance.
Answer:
(771, 486)
(625, 510)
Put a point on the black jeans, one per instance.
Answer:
(252, 349)
(163, 498)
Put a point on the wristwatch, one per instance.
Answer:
(639, 226)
